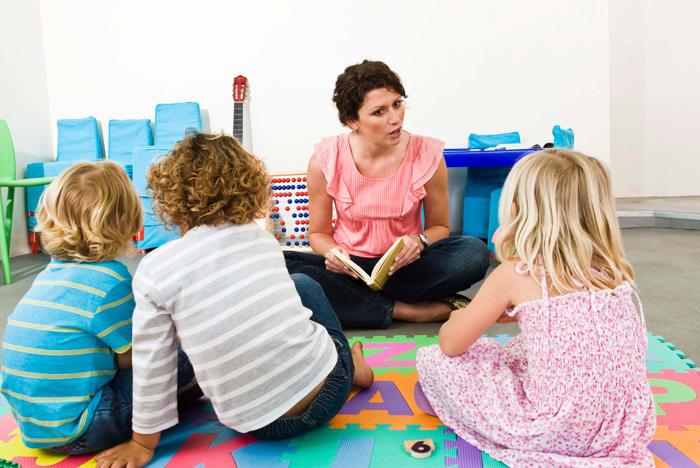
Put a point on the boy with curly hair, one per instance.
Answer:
(267, 348)
(66, 354)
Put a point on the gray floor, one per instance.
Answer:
(666, 263)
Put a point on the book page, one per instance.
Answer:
(352, 265)
(380, 272)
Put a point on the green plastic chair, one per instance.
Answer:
(8, 178)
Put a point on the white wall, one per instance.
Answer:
(627, 96)
(672, 98)
(467, 66)
(655, 97)
(24, 102)
(621, 73)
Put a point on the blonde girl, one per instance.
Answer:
(571, 389)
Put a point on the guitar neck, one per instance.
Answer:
(238, 121)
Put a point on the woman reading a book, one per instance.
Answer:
(379, 177)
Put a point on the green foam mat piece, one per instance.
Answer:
(662, 354)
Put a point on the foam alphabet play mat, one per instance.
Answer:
(372, 428)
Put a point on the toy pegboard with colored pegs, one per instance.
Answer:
(288, 220)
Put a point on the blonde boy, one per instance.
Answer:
(66, 354)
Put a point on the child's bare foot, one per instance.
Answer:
(428, 311)
(364, 376)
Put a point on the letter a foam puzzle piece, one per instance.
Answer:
(390, 400)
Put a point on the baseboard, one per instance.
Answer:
(658, 219)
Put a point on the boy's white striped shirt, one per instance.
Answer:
(167, 259)
(196, 287)
(231, 313)
(177, 275)
(252, 384)
(256, 342)
(226, 293)
(224, 337)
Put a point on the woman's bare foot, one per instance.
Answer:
(364, 376)
(421, 311)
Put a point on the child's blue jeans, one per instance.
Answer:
(111, 423)
(336, 390)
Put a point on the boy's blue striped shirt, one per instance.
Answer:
(59, 345)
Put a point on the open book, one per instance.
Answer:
(380, 272)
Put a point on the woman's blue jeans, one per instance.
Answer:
(336, 390)
(444, 268)
(111, 422)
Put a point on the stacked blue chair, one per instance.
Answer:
(173, 120)
(481, 181)
(153, 232)
(78, 140)
(171, 124)
(124, 137)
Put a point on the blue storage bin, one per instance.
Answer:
(481, 181)
(493, 216)
(476, 209)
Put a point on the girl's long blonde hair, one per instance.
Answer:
(558, 204)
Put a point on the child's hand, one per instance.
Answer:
(129, 454)
(410, 252)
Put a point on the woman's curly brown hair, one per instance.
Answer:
(356, 81)
(209, 179)
(89, 213)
